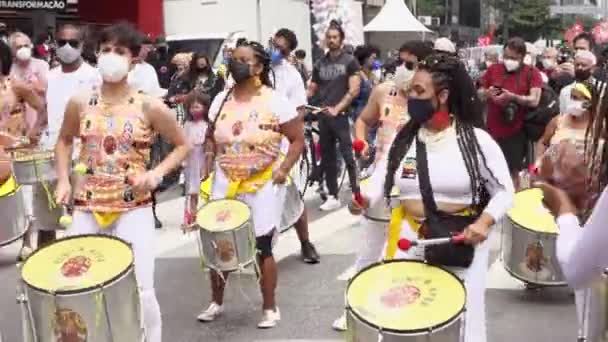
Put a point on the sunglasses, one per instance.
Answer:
(75, 43)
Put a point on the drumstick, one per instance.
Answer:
(405, 244)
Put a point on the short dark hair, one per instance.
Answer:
(335, 25)
(123, 34)
(6, 58)
(517, 44)
(289, 36)
(363, 52)
(585, 36)
(417, 48)
(300, 54)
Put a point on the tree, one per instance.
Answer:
(528, 19)
(433, 8)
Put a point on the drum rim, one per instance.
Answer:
(84, 289)
(375, 219)
(220, 200)
(518, 225)
(411, 331)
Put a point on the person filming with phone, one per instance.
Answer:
(511, 88)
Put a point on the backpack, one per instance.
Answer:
(538, 118)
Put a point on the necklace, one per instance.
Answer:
(434, 139)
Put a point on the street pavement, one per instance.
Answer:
(310, 296)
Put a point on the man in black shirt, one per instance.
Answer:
(336, 81)
(161, 61)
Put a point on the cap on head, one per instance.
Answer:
(444, 45)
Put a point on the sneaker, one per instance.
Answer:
(309, 253)
(213, 311)
(340, 323)
(270, 319)
(332, 203)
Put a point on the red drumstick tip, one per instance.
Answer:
(458, 238)
(358, 145)
(359, 198)
(404, 244)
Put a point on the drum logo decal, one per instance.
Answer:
(408, 169)
(400, 296)
(225, 250)
(223, 215)
(69, 326)
(76, 266)
(535, 257)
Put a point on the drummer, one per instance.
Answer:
(252, 121)
(386, 108)
(467, 171)
(116, 125)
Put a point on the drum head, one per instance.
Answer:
(530, 213)
(405, 296)
(223, 215)
(77, 264)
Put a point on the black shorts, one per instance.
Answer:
(514, 148)
(264, 245)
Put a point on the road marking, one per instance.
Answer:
(498, 278)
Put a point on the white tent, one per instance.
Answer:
(395, 17)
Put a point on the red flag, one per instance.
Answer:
(484, 41)
(600, 32)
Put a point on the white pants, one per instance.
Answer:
(137, 228)
(474, 279)
(374, 240)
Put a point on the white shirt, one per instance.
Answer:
(61, 87)
(449, 177)
(582, 253)
(267, 203)
(288, 82)
(143, 78)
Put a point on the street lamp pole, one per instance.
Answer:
(258, 15)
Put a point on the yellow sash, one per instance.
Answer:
(251, 185)
(394, 228)
(104, 220)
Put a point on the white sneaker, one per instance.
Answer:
(213, 311)
(332, 203)
(340, 323)
(270, 319)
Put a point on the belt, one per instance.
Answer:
(250, 185)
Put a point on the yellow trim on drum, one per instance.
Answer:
(8, 187)
(77, 263)
(406, 296)
(529, 212)
(223, 215)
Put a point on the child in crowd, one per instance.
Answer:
(197, 121)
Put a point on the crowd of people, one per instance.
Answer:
(453, 149)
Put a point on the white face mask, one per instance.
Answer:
(113, 68)
(24, 53)
(403, 76)
(67, 54)
(576, 108)
(511, 65)
(549, 63)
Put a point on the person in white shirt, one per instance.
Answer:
(143, 76)
(288, 82)
(71, 78)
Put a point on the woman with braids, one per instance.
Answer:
(253, 119)
(466, 169)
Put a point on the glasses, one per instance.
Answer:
(75, 43)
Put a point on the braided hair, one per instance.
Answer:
(597, 156)
(263, 57)
(448, 72)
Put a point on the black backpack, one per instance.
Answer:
(538, 118)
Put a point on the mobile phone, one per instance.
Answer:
(313, 108)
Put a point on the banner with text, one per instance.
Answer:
(52, 5)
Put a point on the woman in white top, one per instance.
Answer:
(466, 169)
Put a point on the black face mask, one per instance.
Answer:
(162, 50)
(240, 71)
(409, 65)
(420, 110)
(582, 75)
(203, 69)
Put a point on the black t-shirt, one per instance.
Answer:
(164, 68)
(331, 75)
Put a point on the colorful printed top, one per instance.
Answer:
(12, 111)
(393, 116)
(116, 142)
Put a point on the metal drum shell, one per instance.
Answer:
(379, 212)
(121, 300)
(45, 218)
(241, 240)
(596, 316)
(360, 330)
(12, 212)
(516, 241)
(293, 209)
(33, 171)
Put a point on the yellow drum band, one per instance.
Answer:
(8, 187)
(223, 215)
(406, 296)
(398, 215)
(77, 263)
(529, 212)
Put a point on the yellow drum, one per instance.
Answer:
(82, 287)
(227, 235)
(529, 243)
(379, 211)
(403, 300)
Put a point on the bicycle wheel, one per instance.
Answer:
(301, 173)
(342, 172)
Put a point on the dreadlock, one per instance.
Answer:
(596, 156)
(263, 57)
(448, 72)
